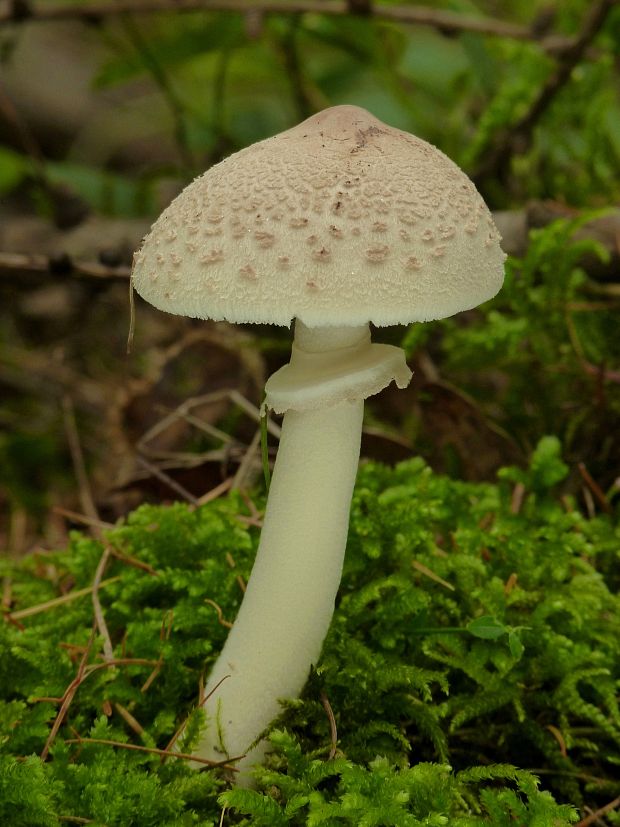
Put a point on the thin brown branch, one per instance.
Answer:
(133, 561)
(231, 562)
(201, 700)
(594, 487)
(108, 649)
(216, 492)
(23, 265)
(249, 461)
(518, 138)
(97, 667)
(163, 752)
(79, 466)
(557, 734)
(76, 517)
(68, 696)
(595, 816)
(444, 21)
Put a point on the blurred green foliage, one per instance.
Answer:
(226, 80)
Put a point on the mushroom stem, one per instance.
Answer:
(289, 602)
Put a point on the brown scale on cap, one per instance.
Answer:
(341, 174)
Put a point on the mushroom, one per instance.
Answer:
(336, 223)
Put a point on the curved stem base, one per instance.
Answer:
(289, 602)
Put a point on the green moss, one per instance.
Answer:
(472, 649)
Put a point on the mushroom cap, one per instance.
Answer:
(340, 220)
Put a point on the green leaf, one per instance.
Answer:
(486, 627)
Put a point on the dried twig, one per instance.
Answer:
(201, 700)
(96, 667)
(21, 264)
(595, 816)
(444, 21)
(129, 719)
(594, 487)
(431, 574)
(133, 561)
(332, 725)
(231, 562)
(216, 492)
(76, 517)
(557, 734)
(163, 752)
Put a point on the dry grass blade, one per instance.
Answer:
(332, 725)
(73, 439)
(58, 601)
(68, 696)
(129, 719)
(594, 487)
(133, 562)
(431, 574)
(216, 492)
(108, 649)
